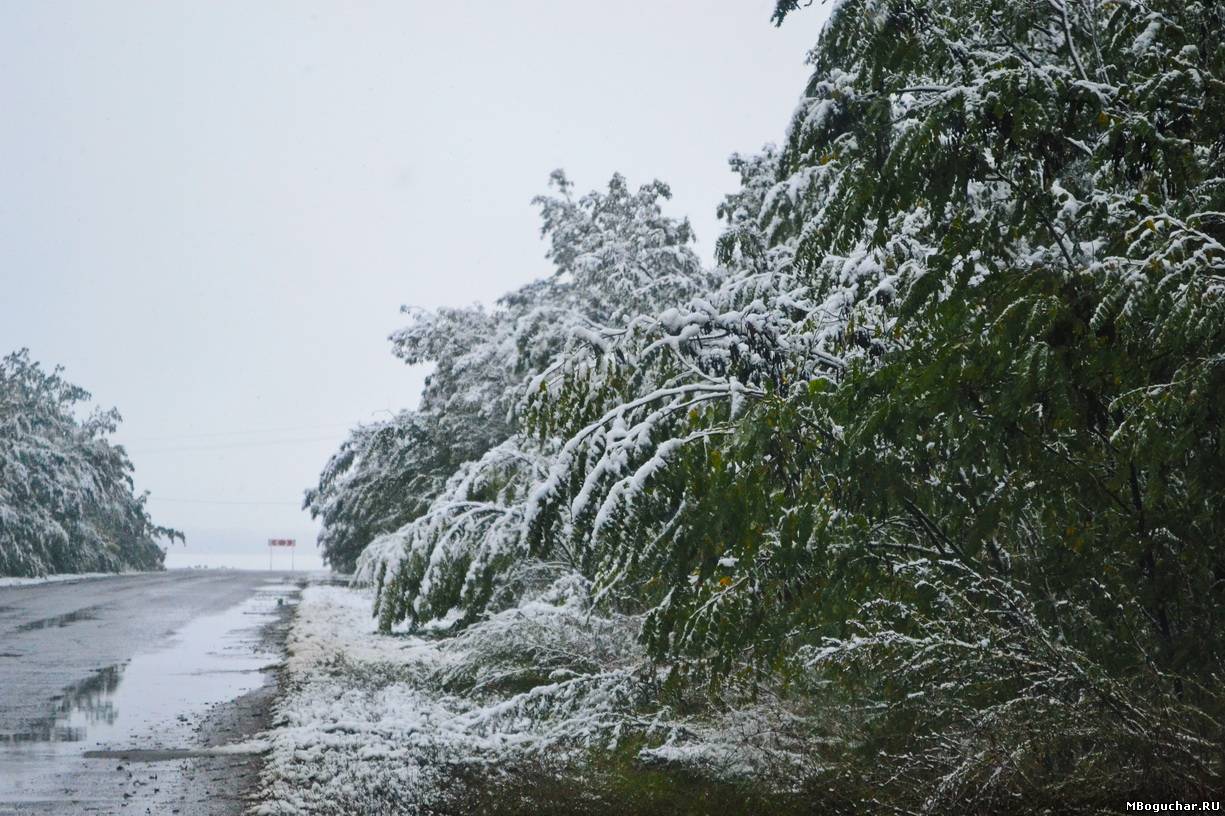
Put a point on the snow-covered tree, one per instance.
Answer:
(382, 477)
(938, 447)
(66, 497)
(456, 484)
(998, 351)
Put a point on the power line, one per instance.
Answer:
(220, 501)
(211, 434)
(258, 444)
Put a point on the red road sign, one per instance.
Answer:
(281, 542)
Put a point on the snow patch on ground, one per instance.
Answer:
(372, 722)
(368, 720)
(347, 714)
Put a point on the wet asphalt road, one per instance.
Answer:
(69, 652)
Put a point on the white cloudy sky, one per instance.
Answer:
(212, 211)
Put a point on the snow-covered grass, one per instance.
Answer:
(540, 708)
(366, 716)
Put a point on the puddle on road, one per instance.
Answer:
(90, 699)
(154, 699)
(88, 613)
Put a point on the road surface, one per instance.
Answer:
(115, 692)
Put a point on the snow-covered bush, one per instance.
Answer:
(983, 694)
(509, 714)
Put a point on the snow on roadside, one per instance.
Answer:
(61, 578)
(372, 723)
(345, 716)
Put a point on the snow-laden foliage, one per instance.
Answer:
(444, 563)
(969, 691)
(66, 497)
(1003, 353)
(382, 477)
(934, 459)
(615, 255)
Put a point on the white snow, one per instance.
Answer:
(368, 718)
(55, 579)
(367, 714)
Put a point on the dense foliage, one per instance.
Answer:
(66, 497)
(615, 255)
(935, 455)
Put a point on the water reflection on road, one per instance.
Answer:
(91, 699)
(154, 700)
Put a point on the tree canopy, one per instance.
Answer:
(66, 498)
(937, 446)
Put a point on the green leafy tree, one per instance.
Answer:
(972, 472)
(936, 453)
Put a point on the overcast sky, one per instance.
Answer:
(212, 211)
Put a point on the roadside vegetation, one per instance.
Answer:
(67, 503)
(914, 502)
